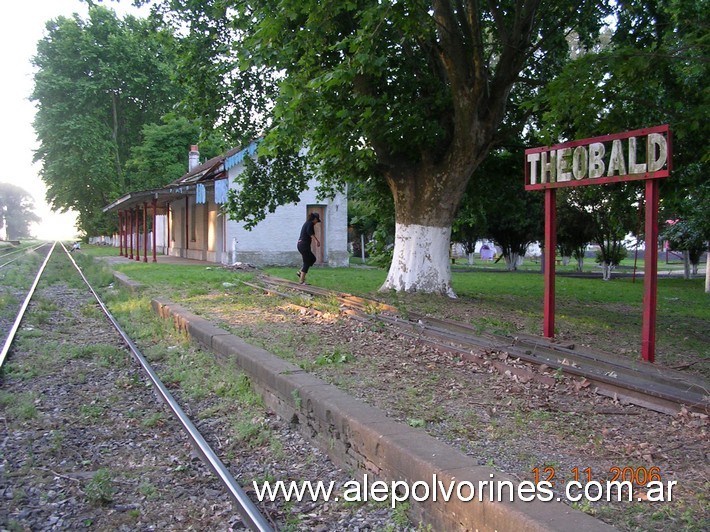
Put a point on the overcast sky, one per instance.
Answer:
(21, 26)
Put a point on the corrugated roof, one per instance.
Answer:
(209, 171)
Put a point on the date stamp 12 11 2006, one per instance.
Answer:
(623, 480)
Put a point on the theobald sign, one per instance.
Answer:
(630, 156)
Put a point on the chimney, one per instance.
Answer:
(193, 158)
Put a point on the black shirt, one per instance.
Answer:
(307, 231)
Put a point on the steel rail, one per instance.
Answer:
(246, 508)
(26, 249)
(640, 388)
(9, 252)
(664, 391)
(23, 308)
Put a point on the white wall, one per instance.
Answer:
(273, 240)
(270, 242)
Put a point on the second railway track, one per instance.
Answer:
(640, 383)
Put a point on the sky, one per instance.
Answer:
(20, 30)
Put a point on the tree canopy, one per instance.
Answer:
(98, 81)
(652, 70)
(409, 93)
(162, 154)
(406, 96)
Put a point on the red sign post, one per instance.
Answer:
(643, 154)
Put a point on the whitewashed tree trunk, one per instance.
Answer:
(707, 272)
(470, 259)
(580, 264)
(512, 261)
(686, 264)
(565, 261)
(420, 260)
(606, 270)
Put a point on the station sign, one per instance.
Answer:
(643, 154)
(634, 155)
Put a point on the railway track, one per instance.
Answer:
(10, 255)
(251, 517)
(109, 446)
(495, 417)
(643, 384)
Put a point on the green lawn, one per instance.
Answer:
(602, 314)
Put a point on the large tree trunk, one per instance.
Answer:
(420, 261)
(427, 189)
(425, 201)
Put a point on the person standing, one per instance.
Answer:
(308, 232)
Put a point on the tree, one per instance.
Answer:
(162, 156)
(699, 220)
(16, 211)
(614, 213)
(575, 228)
(470, 224)
(408, 93)
(371, 216)
(691, 234)
(653, 70)
(683, 237)
(97, 83)
(514, 217)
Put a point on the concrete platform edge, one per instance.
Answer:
(362, 438)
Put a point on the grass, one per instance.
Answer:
(21, 407)
(607, 314)
(521, 287)
(99, 489)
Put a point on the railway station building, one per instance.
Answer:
(186, 219)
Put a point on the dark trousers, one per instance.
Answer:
(309, 259)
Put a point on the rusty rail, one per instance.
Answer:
(637, 382)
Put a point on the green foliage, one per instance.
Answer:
(334, 357)
(162, 156)
(99, 489)
(691, 230)
(575, 227)
(264, 185)
(684, 235)
(410, 96)
(470, 224)
(370, 209)
(380, 248)
(21, 407)
(612, 253)
(98, 81)
(514, 216)
(613, 212)
(652, 70)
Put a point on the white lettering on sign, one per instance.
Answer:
(637, 155)
(596, 159)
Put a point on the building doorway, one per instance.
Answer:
(319, 252)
